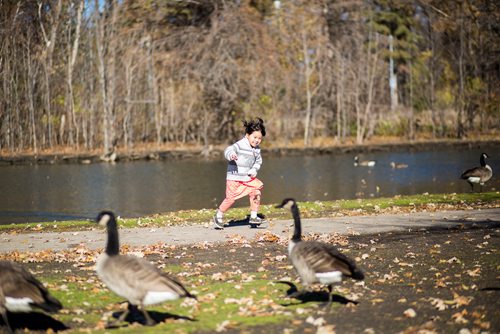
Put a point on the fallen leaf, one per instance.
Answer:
(438, 303)
(328, 329)
(315, 322)
(459, 317)
(453, 260)
(474, 273)
(410, 313)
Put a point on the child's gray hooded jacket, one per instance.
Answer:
(248, 163)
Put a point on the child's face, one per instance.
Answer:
(254, 138)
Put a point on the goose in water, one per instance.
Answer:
(317, 262)
(21, 292)
(134, 278)
(366, 163)
(398, 165)
(479, 175)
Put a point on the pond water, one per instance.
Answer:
(131, 189)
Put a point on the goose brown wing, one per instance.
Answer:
(133, 276)
(323, 258)
(18, 282)
(470, 172)
(484, 173)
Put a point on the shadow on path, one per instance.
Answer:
(312, 296)
(135, 315)
(33, 321)
(245, 221)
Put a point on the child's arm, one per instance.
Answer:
(231, 152)
(256, 166)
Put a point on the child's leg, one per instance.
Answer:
(254, 201)
(233, 192)
(226, 204)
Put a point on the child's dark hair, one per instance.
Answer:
(255, 125)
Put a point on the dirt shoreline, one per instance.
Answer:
(216, 152)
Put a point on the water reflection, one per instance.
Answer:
(58, 192)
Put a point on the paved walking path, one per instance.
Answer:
(179, 235)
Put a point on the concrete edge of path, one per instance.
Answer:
(193, 234)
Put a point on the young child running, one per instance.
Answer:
(244, 163)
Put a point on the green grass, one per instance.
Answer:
(248, 299)
(308, 209)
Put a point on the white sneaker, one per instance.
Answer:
(256, 221)
(218, 223)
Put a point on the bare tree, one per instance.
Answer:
(50, 44)
(72, 57)
(105, 39)
(156, 72)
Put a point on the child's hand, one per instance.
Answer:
(233, 156)
(252, 173)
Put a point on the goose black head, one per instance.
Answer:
(104, 217)
(482, 159)
(287, 203)
(290, 204)
(107, 219)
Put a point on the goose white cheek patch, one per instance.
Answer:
(330, 277)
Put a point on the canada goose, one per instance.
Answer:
(366, 163)
(478, 174)
(398, 165)
(134, 278)
(317, 262)
(20, 291)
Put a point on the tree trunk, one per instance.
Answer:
(31, 78)
(73, 126)
(460, 100)
(106, 66)
(48, 61)
(307, 77)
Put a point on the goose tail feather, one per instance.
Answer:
(357, 274)
(52, 305)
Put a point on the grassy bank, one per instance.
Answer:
(429, 202)
(415, 282)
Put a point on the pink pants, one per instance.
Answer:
(238, 189)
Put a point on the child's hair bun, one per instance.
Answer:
(256, 124)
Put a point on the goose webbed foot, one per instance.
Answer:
(328, 304)
(117, 323)
(6, 326)
(6, 329)
(133, 314)
(149, 320)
